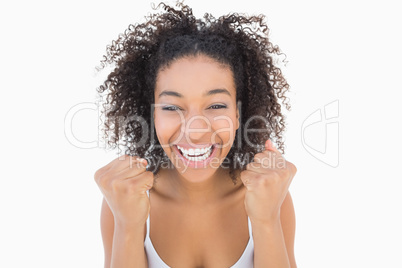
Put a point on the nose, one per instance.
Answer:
(197, 128)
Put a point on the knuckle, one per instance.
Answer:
(280, 163)
(123, 157)
(100, 178)
(122, 160)
(97, 175)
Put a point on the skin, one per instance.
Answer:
(198, 203)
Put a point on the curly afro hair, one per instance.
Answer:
(238, 41)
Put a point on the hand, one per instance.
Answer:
(267, 180)
(123, 183)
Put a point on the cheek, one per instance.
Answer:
(170, 126)
(166, 126)
(225, 129)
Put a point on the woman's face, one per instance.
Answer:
(195, 114)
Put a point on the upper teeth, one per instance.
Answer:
(197, 151)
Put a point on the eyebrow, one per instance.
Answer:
(208, 93)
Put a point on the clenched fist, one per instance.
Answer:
(267, 180)
(123, 183)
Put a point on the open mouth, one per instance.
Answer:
(196, 154)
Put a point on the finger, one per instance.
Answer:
(117, 162)
(264, 157)
(270, 159)
(255, 167)
(134, 168)
(112, 163)
(128, 161)
(269, 149)
(142, 182)
(108, 167)
(125, 167)
(146, 179)
(138, 163)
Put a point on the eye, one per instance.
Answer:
(170, 108)
(217, 106)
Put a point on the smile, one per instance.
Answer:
(196, 157)
(196, 154)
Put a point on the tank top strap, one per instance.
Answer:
(250, 231)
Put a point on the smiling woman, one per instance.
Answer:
(208, 90)
(204, 96)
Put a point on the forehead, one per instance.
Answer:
(195, 74)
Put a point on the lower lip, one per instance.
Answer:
(196, 164)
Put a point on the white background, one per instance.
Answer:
(348, 214)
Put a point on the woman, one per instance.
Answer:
(195, 104)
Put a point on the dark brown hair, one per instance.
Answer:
(238, 41)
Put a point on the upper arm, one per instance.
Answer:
(107, 229)
(288, 222)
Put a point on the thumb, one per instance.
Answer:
(270, 147)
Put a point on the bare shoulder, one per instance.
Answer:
(288, 222)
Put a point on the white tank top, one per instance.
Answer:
(154, 261)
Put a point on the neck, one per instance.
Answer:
(202, 191)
